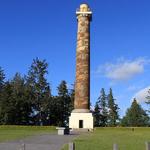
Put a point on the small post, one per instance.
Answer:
(71, 146)
(147, 145)
(132, 129)
(23, 146)
(115, 147)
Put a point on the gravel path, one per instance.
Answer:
(40, 142)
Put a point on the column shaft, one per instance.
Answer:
(82, 84)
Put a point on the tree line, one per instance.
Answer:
(27, 100)
(106, 112)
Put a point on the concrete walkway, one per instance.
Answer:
(40, 142)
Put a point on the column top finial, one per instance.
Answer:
(84, 9)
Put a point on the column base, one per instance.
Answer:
(79, 120)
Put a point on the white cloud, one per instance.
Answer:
(141, 95)
(123, 69)
(133, 88)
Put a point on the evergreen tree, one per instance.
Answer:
(21, 98)
(7, 107)
(39, 86)
(97, 115)
(103, 108)
(2, 77)
(135, 116)
(15, 105)
(100, 110)
(64, 104)
(72, 97)
(55, 110)
(113, 108)
(47, 107)
(148, 100)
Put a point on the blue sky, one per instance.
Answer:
(120, 43)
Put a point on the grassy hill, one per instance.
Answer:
(100, 139)
(104, 138)
(17, 132)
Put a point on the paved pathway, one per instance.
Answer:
(40, 142)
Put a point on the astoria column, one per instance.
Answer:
(82, 84)
(81, 112)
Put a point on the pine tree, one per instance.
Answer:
(2, 77)
(15, 104)
(64, 102)
(47, 107)
(103, 108)
(54, 111)
(113, 108)
(39, 87)
(21, 98)
(7, 107)
(72, 97)
(97, 115)
(148, 100)
(135, 116)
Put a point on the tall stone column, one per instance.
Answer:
(82, 84)
(81, 117)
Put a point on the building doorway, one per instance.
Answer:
(80, 123)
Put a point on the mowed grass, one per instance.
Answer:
(104, 138)
(8, 133)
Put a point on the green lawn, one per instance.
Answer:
(103, 139)
(17, 132)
